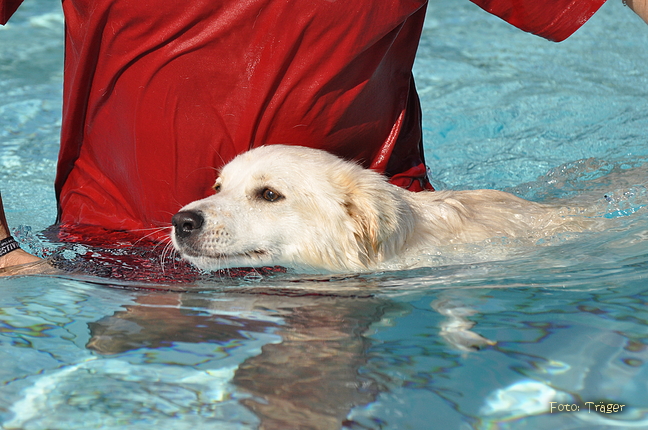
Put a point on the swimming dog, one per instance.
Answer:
(307, 209)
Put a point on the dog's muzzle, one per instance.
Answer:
(187, 223)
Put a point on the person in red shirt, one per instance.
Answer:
(158, 96)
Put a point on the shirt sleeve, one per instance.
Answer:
(7, 8)
(555, 20)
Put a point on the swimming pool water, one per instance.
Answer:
(385, 350)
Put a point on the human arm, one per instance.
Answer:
(640, 7)
(14, 257)
(17, 256)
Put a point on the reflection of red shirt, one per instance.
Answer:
(159, 93)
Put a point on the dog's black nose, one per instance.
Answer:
(186, 222)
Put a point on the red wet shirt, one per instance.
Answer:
(159, 94)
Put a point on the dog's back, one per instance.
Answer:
(451, 217)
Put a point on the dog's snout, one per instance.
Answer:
(187, 222)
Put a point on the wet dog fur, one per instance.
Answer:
(308, 209)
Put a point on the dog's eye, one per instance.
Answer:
(216, 187)
(270, 195)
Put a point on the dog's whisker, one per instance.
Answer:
(166, 253)
(153, 231)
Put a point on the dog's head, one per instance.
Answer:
(294, 206)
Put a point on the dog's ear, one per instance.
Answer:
(366, 229)
(377, 213)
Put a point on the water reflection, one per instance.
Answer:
(309, 379)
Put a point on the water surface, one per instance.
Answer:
(561, 321)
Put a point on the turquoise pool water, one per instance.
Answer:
(567, 319)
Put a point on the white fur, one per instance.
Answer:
(337, 216)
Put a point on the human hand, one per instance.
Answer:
(17, 256)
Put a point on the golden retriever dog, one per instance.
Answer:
(309, 210)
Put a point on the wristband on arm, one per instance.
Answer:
(7, 245)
